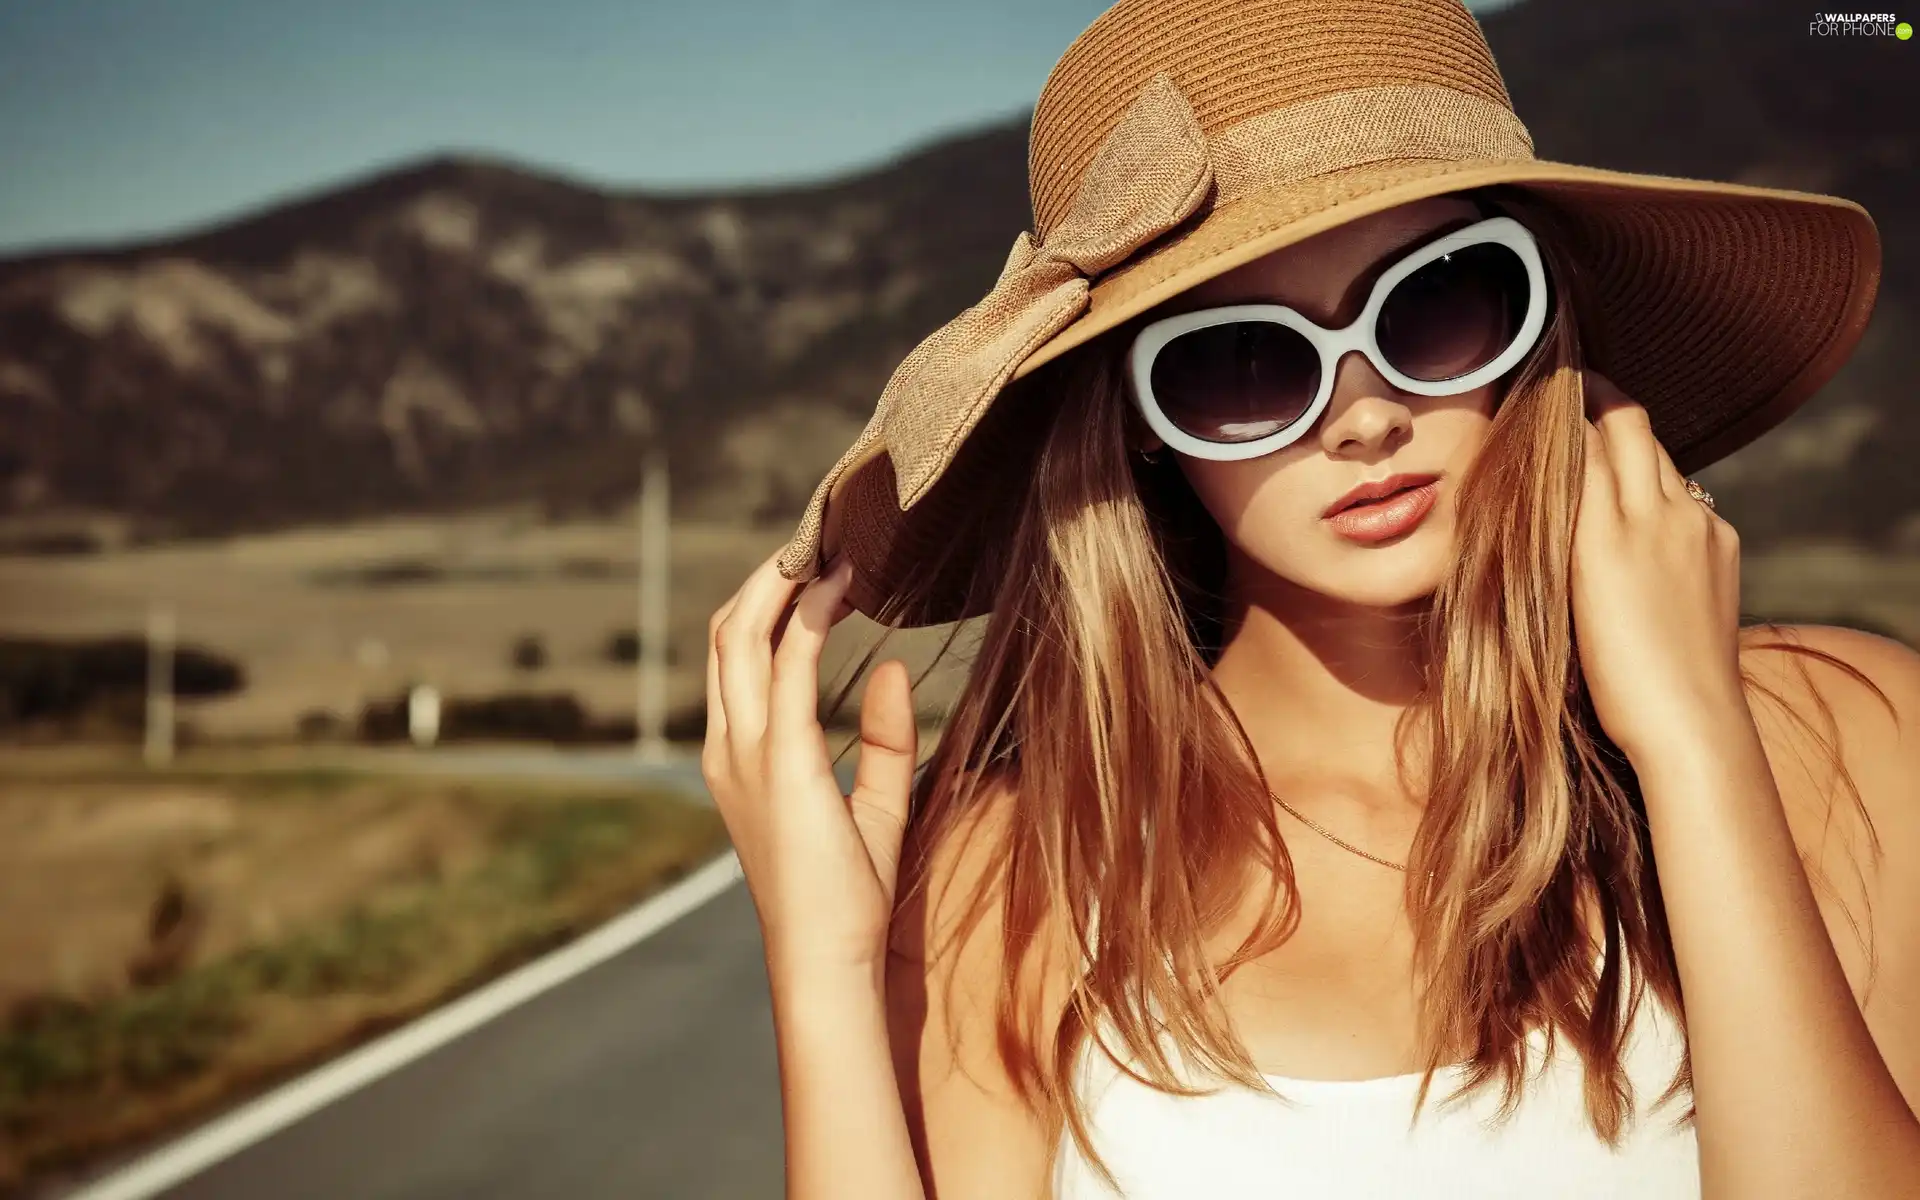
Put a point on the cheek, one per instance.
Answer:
(1258, 495)
(1448, 434)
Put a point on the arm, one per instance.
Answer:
(1797, 1090)
(974, 1138)
(890, 1082)
(1800, 1090)
(1866, 873)
(846, 1132)
(889, 1091)
(821, 868)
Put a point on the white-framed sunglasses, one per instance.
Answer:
(1244, 380)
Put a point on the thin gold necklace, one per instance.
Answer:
(1322, 830)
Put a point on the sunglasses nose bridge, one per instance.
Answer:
(1375, 382)
(1335, 345)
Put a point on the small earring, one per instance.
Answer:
(1152, 456)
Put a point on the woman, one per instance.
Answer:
(1362, 756)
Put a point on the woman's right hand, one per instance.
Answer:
(821, 866)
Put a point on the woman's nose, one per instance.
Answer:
(1366, 416)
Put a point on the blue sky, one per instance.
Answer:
(126, 118)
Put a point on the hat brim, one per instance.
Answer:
(1721, 306)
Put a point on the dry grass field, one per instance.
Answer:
(327, 619)
(168, 941)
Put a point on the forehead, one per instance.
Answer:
(1327, 276)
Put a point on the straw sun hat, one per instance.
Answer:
(1178, 139)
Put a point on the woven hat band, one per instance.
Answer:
(1353, 128)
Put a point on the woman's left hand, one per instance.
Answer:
(1656, 585)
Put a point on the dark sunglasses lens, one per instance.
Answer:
(1236, 382)
(1455, 314)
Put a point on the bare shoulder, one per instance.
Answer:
(1859, 694)
(1893, 666)
(973, 1133)
(1858, 690)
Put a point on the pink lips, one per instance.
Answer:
(1388, 517)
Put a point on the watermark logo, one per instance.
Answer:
(1859, 25)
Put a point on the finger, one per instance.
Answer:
(1598, 492)
(1632, 450)
(714, 760)
(1672, 483)
(793, 720)
(745, 645)
(883, 781)
(1723, 530)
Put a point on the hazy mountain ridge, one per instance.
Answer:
(463, 332)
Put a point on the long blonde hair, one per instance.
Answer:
(1140, 796)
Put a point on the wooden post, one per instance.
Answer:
(650, 708)
(158, 750)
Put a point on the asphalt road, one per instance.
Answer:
(651, 1075)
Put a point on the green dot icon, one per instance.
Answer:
(1903, 31)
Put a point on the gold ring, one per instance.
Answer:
(1699, 493)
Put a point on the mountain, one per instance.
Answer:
(462, 332)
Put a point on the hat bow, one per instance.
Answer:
(1150, 173)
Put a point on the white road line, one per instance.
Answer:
(289, 1103)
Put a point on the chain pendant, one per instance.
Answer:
(1322, 830)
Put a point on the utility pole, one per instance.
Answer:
(650, 709)
(158, 750)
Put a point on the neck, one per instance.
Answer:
(1321, 684)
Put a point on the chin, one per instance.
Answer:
(1386, 593)
(1386, 576)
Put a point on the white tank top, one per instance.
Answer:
(1339, 1139)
